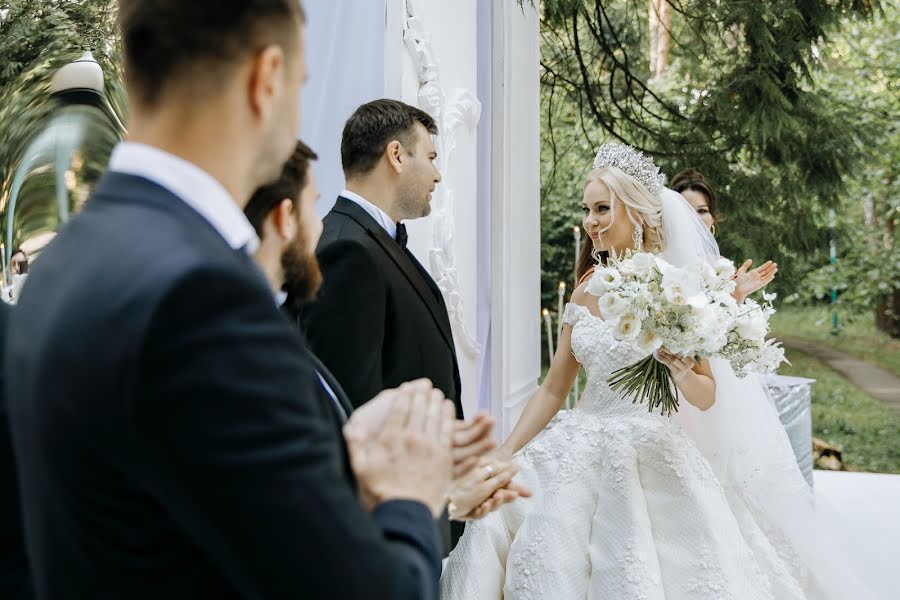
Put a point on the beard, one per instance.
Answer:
(302, 277)
(413, 203)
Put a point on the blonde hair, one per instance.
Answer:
(641, 206)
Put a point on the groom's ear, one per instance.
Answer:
(394, 154)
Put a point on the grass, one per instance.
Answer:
(857, 336)
(842, 414)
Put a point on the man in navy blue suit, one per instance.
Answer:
(170, 429)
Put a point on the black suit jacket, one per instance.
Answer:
(15, 579)
(379, 319)
(170, 429)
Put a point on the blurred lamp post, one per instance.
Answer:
(71, 145)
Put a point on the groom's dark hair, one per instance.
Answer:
(375, 125)
(169, 43)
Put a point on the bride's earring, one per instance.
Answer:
(595, 254)
(638, 237)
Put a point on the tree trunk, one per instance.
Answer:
(660, 22)
(887, 313)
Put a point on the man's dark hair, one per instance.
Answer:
(288, 186)
(168, 42)
(373, 126)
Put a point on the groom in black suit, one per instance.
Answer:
(172, 434)
(379, 318)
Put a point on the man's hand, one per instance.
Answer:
(400, 446)
(484, 489)
(471, 440)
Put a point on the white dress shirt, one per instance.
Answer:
(197, 188)
(379, 215)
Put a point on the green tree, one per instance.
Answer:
(861, 73)
(37, 37)
(740, 99)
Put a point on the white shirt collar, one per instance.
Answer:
(197, 188)
(379, 215)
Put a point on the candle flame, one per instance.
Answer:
(562, 286)
(545, 312)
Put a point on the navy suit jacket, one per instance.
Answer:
(15, 579)
(172, 436)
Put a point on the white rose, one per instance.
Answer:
(709, 275)
(603, 280)
(752, 327)
(628, 328)
(643, 261)
(724, 268)
(684, 294)
(687, 282)
(626, 267)
(649, 341)
(612, 305)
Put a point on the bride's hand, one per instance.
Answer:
(746, 281)
(504, 495)
(679, 366)
(484, 489)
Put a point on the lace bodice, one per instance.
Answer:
(600, 353)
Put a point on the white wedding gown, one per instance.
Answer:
(625, 507)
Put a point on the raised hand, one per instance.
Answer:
(747, 282)
(484, 489)
(400, 446)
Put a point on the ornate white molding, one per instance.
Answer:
(461, 108)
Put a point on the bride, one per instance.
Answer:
(629, 504)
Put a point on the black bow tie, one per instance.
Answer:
(401, 235)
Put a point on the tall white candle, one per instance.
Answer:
(577, 232)
(561, 293)
(549, 326)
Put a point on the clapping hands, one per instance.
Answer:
(400, 446)
(406, 443)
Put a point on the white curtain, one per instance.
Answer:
(345, 61)
(483, 229)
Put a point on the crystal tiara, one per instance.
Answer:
(631, 162)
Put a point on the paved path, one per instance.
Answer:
(875, 381)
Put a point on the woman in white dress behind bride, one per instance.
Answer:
(630, 504)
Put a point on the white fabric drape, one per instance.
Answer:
(345, 61)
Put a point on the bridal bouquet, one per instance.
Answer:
(689, 311)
